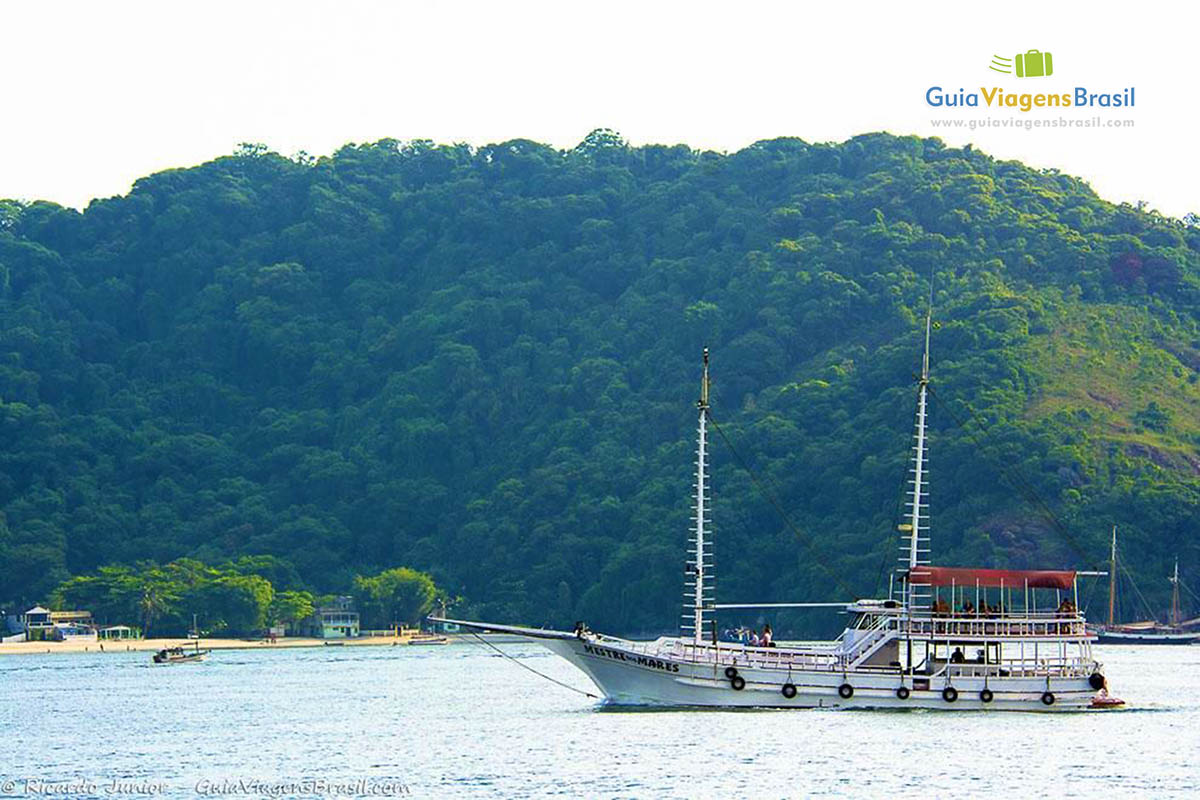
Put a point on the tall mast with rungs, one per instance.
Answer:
(918, 517)
(698, 589)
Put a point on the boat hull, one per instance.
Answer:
(629, 678)
(189, 659)
(1149, 637)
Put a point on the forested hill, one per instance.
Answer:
(484, 363)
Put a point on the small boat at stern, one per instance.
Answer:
(949, 638)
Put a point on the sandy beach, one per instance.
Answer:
(34, 648)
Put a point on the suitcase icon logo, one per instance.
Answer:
(1030, 64)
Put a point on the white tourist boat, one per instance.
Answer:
(1020, 643)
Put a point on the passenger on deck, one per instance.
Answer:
(767, 637)
(1066, 608)
(941, 607)
(968, 609)
(754, 640)
(957, 656)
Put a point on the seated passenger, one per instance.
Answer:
(767, 637)
(957, 656)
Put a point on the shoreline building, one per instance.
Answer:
(335, 620)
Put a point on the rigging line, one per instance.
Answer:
(770, 498)
(898, 515)
(1145, 605)
(1087, 601)
(1188, 589)
(531, 669)
(1019, 482)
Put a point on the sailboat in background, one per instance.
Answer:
(1176, 631)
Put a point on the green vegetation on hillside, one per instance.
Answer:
(483, 363)
(237, 598)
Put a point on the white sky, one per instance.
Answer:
(98, 94)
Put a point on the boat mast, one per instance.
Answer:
(1175, 594)
(919, 458)
(1112, 578)
(918, 524)
(700, 590)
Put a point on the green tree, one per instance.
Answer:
(156, 597)
(290, 608)
(395, 596)
(237, 604)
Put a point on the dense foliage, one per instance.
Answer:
(483, 363)
(237, 598)
(231, 600)
(394, 596)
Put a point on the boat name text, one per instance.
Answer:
(643, 661)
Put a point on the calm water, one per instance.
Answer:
(458, 721)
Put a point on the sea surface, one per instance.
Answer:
(462, 721)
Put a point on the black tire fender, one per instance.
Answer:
(903, 692)
(737, 682)
(731, 672)
(789, 690)
(1047, 698)
(846, 691)
(986, 696)
(949, 694)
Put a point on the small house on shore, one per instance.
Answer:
(42, 624)
(37, 624)
(335, 620)
(118, 633)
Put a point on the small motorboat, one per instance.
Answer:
(178, 655)
(428, 639)
(1104, 701)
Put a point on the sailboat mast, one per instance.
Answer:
(919, 459)
(701, 509)
(1175, 595)
(1112, 578)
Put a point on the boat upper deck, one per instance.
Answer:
(880, 639)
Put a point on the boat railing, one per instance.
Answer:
(738, 655)
(1021, 668)
(1022, 625)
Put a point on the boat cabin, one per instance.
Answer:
(962, 621)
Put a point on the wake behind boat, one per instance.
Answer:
(951, 638)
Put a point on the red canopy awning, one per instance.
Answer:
(970, 576)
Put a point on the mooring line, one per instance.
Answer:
(531, 669)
